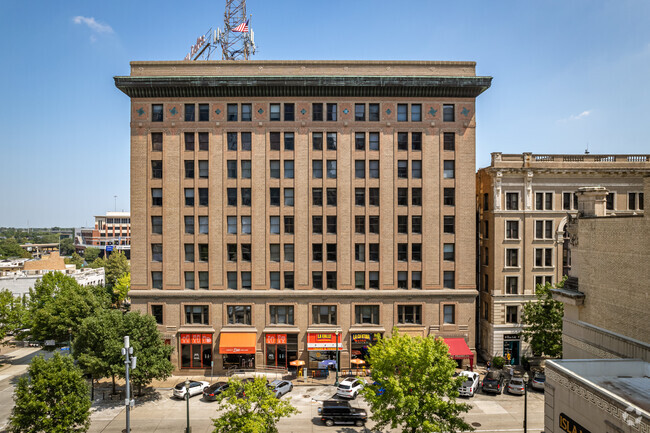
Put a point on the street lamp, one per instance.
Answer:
(525, 402)
(338, 358)
(187, 399)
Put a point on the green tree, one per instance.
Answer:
(12, 313)
(11, 248)
(98, 263)
(66, 246)
(76, 260)
(58, 304)
(116, 266)
(420, 390)
(52, 398)
(121, 288)
(256, 412)
(91, 253)
(543, 322)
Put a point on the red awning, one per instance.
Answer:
(458, 348)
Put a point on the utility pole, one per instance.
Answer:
(115, 202)
(129, 363)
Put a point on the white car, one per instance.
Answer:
(349, 388)
(196, 388)
(470, 385)
(280, 387)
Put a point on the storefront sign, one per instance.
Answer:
(186, 338)
(511, 337)
(206, 338)
(323, 341)
(363, 337)
(276, 338)
(195, 339)
(570, 426)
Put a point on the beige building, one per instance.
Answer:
(523, 202)
(276, 205)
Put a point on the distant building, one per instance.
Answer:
(37, 250)
(111, 232)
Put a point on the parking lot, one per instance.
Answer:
(161, 413)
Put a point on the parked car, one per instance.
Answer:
(516, 386)
(470, 385)
(538, 381)
(280, 387)
(340, 412)
(349, 388)
(211, 393)
(196, 387)
(493, 382)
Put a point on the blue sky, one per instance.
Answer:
(567, 74)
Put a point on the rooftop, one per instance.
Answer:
(567, 162)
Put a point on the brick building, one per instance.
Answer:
(112, 230)
(524, 202)
(278, 206)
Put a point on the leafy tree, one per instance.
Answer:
(121, 288)
(543, 322)
(66, 246)
(116, 266)
(58, 304)
(11, 248)
(256, 410)
(98, 263)
(52, 398)
(420, 390)
(91, 253)
(76, 260)
(12, 313)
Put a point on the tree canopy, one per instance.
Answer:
(256, 410)
(91, 253)
(67, 246)
(543, 322)
(53, 397)
(11, 248)
(76, 260)
(116, 266)
(121, 288)
(419, 388)
(12, 313)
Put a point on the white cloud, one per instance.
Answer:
(582, 115)
(92, 24)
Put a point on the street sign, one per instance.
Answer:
(109, 248)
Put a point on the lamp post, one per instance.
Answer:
(336, 383)
(187, 399)
(525, 402)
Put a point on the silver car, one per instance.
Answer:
(196, 388)
(516, 386)
(280, 387)
(538, 381)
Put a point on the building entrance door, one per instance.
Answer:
(511, 352)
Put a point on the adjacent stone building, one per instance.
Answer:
(282, 210)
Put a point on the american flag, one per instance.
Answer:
(243, 27)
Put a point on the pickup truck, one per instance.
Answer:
(470, 385)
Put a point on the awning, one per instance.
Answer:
(237, 342)
(458, 348)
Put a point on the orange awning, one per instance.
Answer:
(237, 342)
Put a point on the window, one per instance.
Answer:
(543, 201)
(635, 201)
(331, 279)
(275, 225)
(231, 168)
(156, 169)
(246, 280)
(288, 197)
(448, 224)
(157, 313)
(449, 197)
(448, 253)
(402, 252)
(156, 225)
(373, 112)
(512, 230)
(402, 282)
(317, 169)
(246, 169)
(246, 225)
(402, 112)
(373, 279)
(360, 169)
(156, 196)
(203, 169)
(232, 280)
(239, 314)
(204, 112)
(416, 169)
(512, 257)
(402, 141)
(359, 280)
(189, 197)
(317, 224)
(189, 112)
(289, 112)
(373, 169)
(512, 201)
(246, 252)
(373, 224)
(189, 253)
(366, 314)
(203, 225)
(281, 314)
(360, 112)
(156, 280)
(317, 280)
(331, 169)
(402, 224)
(288, 140)
(246, 141)
(323, 314)
(203, 252)
(204, 280)
(232, 225)
(610, 201)
(317, 140)
(360, 141)
(232, 112)
(274, 196)
(448, 113)
(331, 141)
(189, 280)
(511, 314)
(359, 196)
(360, 252)
(402, 169)
(189, 141)
(317, 196)
(274, 169)
(542, 280)
(156, 253)
(416, 252)
(416, 141)
(373, 140)
(189, 224)
(331, 196)
(512, 285)
(288, 224)
(274, 140)
(288, 280)
(544, 229)
(416, 112)
(331, 224)
(156, 112)
(274, 253)
(317, 252)
(409, 314)
(331, 112)
(331, 252)
(449, 314)
(203, 196)
(449, 280)
(449, 141)
(246, 112)
(567, 201)
(373, 196)
(543, 257)
(274, 112)
(156, 141)
(197, 315)
(449, 169)
(231, 139)
(486, 229)
(486, 201)
(416, 196)
(316, 112)
(204, 141)
(373, 252)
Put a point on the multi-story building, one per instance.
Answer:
(523, 203)
(285, 210)
(111, 232)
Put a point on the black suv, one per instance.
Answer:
(340, 412)
(493, 382)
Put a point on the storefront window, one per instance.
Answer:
(281, 349)
(322, 349)
(361, 341)
(239, 314)
(196, 350)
